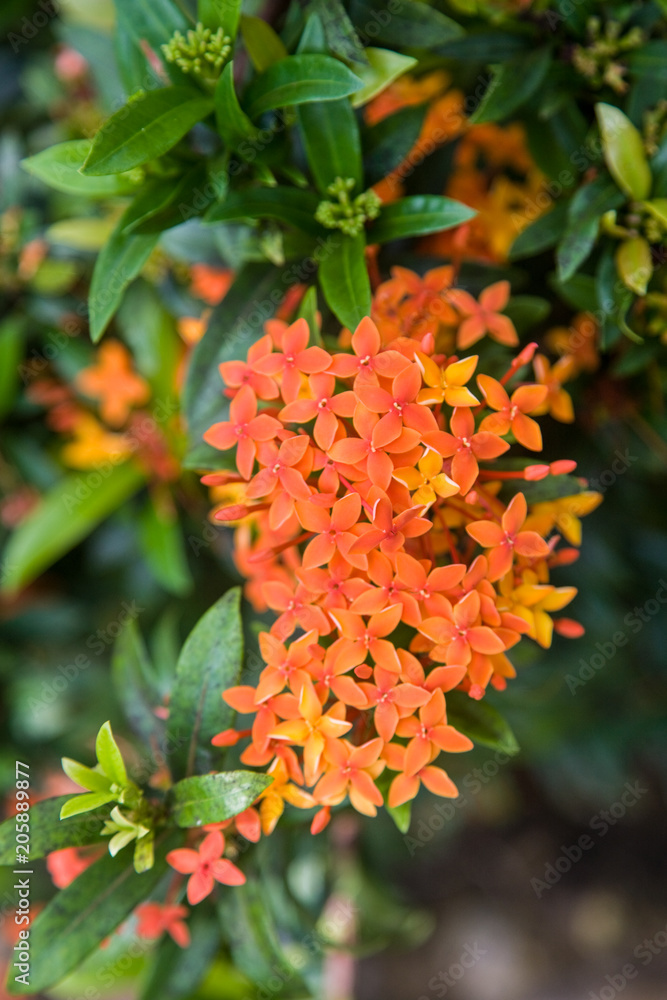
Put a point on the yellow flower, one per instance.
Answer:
(532, 601)
(273, 799)
(428, 479)
(447, 385)
(93, 445)
(563, 514)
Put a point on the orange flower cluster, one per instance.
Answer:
(368, 518)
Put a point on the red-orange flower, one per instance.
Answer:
(156, 919)
(506, 538)
(205, 866)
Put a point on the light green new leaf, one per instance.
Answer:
(384, 66)
(147, 127)
(59, 166)
(62, 518)
(417, 215)
(297, 80)
(212, 798)
(634, 264)
(264, 46)
(109, 756)
(87, 777)
(401, 815)
(209, 663)
(343, 276)
(85, 803)
(623, 151)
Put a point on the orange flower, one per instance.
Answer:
(447, 385)
(210, 283)
(512, 413)
(312, 729)
(484, 316)
(558, 402)
(429, 734)
(351, 771)
(157, 918)
(465, 447)
(113, 383)
(244, 429)
(205, 866)
(506, 538)
(294, 360)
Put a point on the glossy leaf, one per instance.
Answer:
(59, 166)
(63, 517)
(384, 66)
(387, 144)
(87, 777)
(147, 127)
(512, 84)
(297, 80)
(209, 663)
(542, 234)
(417, 215)
(79, 917)
(331, 139)
(86, 802)
(288, 204)
(586, 208)
(263, 45)
(109, 756)
(404, 25)
(339, 35)
(48, 832)
(623, 151)
(481, 722)
(233, 123)
(151, 21)
(212, 798)
(344, 279)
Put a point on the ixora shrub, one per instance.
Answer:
(386, 494)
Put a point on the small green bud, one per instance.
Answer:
(201, 52)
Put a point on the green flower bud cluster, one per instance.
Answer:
(201, 52)
(347, 214)
(598, 61)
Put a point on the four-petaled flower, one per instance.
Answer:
(205, 866)
(447, 384)
(243, 429)
(428, 480)
(512, 413)
(155, 919)
(506, 538)
(484, 316)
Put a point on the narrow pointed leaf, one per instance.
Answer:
(59, 166)
(417, 215)
(109, 755)
(343, 276)
(297, 80)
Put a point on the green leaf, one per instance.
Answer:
(147, 127)
(410, 25)
(340, 38)
(384, 66)
(109, 756)
(153, 197)
(79, 917)
(250, 929)
(87, 777)
(59, 166)
(12, 336)
(63, 517)
(190, 196)
(481, 722)
(482, 46)
(233, 123)
(623, 151)
(209, 663)
(575, 247)
(542, 234)
(401, 815)
(512, 84)
(235, 324)
(117, 265)
(161, 541)
(650, 61)
(297, 80)
(177, 972)
(48, 832)
(634, 264)
(527, 311)
(344, 279)
(86, 802)
(262, 43)
(135, 683)
(212, 798)
(224, 14)
(387, 144)
(417, 215)
(332, 143)
(151, 21)
(288, 204)
(586, 208)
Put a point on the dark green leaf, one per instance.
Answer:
(234, 326)
(340, 37)
(161, 543)
(527, 311)
(331, 140)
(587, 206)
(63, 516)
(297, 80)
(79, 917)
(541, 234)
(224, 14)
(191, 195)
(579, 292)
(650, 61)
(212, 798)
(59, 167)
(264, 46)
(288, 204)
(134, 683)
(481, 722)
(117, 265)
(233, 123)
(250, 929)
(12, 335)
(153, 197)
(344, 279)
(410, 25)
(209, 663)
(417, 215)
(512, 84)
(485, 46)
(575, 247)
(387, 144)
(555, 144)
(148, 126)
(48, 832)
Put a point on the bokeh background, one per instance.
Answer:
(487, 897)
